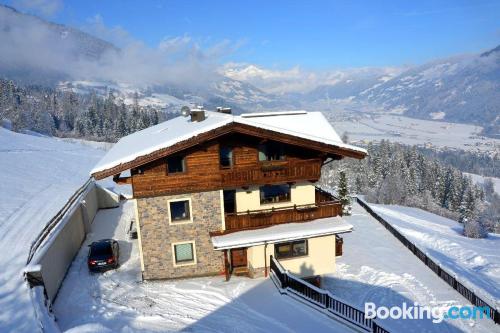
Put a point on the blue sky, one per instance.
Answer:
(309, 34)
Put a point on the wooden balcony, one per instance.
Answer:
(272, 172)
(325, 206)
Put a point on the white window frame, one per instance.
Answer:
(187, 221)
(194, 262)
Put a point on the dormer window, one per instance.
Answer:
(271, 151)
(176, 164)
(226, 157)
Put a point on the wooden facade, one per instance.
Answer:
(203, 170)
(327, 150)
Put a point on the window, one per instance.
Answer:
(226, 156)
(184, 253)
(274, 193)
(180, 211)
(290, 249)
(176, 164)
(272, 151)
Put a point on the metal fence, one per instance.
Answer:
(494, 314)
(323, 299)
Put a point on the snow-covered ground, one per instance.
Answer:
(478, 179)
(412, 131)
(118, 301)
(475, 262)
(38, 175)
(376, 267)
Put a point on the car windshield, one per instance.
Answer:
(100, 249)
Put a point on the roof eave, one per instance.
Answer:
(226, 129)
(285, 239)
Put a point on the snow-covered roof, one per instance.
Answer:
(282, 232)
(307, 125)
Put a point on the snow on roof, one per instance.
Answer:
(308, 125)
(282, 232)
(157, 137)
(270, 114)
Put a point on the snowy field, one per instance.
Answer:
(475, 262)
(414, 132)
(118, 301)
(376, 267)
(38, 176)
(478, 179)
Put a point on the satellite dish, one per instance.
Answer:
(185, 111)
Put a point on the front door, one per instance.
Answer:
(239, 257)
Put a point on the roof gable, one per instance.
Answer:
(308, 129)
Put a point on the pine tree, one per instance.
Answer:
(121, 125)
(343, 193)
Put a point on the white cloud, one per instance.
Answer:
(116, 35)
(31, 45)
(46, 8)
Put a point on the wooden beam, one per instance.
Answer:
(122, 180)
(226, 266)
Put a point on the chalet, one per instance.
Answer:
(218, 193)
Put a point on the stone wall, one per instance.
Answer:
(157, 235)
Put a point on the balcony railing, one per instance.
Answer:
(273, 172)
(325, 206)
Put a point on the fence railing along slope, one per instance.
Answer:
(322, 299)
(494, 314)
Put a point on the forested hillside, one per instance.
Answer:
(64, 113)
(399, 174)
(486, 164)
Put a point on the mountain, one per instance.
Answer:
(463, 89)
(34, 51)
(351, 84)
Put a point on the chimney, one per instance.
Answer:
(224, 110)
(197, 115)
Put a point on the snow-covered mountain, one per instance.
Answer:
(224, 91)
(462, 89)
(33, 50)
(350, 84)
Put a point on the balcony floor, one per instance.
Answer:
(282, 232)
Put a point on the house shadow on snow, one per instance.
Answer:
(358, 293)
(218, 306)
(263, 308)
(307, 270)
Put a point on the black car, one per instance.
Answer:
(103, 255)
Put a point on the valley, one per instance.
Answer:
(441, 135)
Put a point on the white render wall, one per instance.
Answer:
(302, 193)
(320, 259)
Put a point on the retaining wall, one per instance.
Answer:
(57, 245)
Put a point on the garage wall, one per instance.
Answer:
(55, 255)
